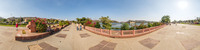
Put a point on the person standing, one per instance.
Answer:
(77, 27)
(80, 27)
(16, 26)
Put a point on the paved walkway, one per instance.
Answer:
(180, 37)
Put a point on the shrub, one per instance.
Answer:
(125, 26)
(66, 22)
(88, 23)
(13, 23)
(115, 28)
(132, 28)
(97, 25)
(23, 32)
(157, 23)
(142, 26)
(91, 25)
(149, 24)
(40, 24)
(60, 23)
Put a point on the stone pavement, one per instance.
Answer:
(180, 37)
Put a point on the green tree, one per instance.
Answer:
(97, 25)
(165, 19)
(78, 20)
(175, 21)
(84, 20)
(4, 20)
(125, 26)
(106, 22)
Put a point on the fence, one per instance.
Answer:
(122, 33)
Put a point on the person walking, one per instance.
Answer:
(77, 27)
(16, 26)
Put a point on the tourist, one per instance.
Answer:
(80, 27)
(16, 26)
(77, 27)
(49, 29)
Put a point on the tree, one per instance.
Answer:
(106, 22)
(125, 26)
(84, 20)
(78, 20)
(4, 20)
(97, 25)
(175, 21)
(165, 19)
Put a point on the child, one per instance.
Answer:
(16, 26)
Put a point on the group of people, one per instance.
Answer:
(79, 27)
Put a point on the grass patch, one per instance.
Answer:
(184, 23)
(12, 25)
(197, 24)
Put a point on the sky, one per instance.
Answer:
(120, 10)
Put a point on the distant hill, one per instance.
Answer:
(138, 21)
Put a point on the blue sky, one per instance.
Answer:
(120, 10)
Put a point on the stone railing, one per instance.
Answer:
(122, 33)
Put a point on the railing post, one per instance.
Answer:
(101, 30)
(142, 30)
(149, 29)
(95, 29)
(133, 32)
(110, 31)
(122, 32)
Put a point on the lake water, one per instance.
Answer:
(118, 25)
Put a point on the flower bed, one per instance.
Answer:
(32, 36)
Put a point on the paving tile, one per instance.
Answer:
(107, 48)
(84, 35)
(104, 45)
(148, 42)
(66, 30)
(111, 45)
(46, 46)
(34, 47)
(7, 33)
(61, 35)
(97, 47)
(104, 42)
(190, 44)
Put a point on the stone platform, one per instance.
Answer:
(29, 35)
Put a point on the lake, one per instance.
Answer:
(118, 25)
